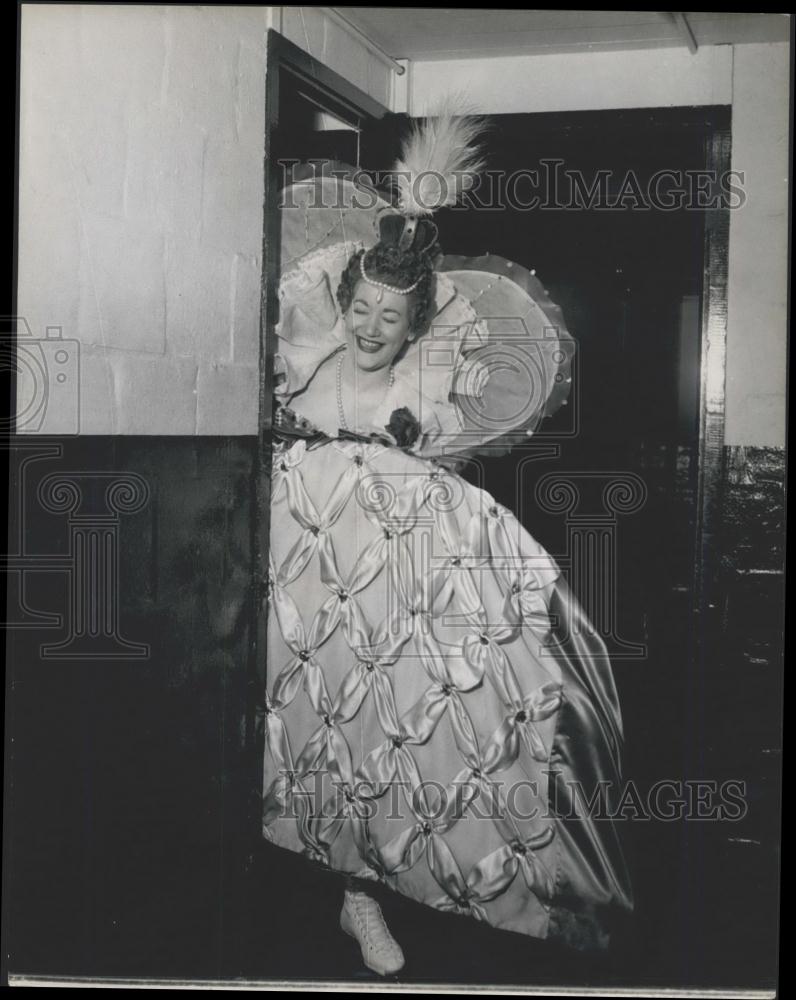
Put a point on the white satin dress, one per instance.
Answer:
(433, 691)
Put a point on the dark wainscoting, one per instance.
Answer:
(707, 707)
(130, 786)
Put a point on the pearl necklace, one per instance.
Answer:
(340, 411)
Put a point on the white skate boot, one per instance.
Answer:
(361, 917)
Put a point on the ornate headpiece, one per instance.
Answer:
(439, 162)
(383, 284)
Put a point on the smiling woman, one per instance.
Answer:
(379, 324)
(386, 296)
(411, 273)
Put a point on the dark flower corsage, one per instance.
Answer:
(404, 427)
(289, 425)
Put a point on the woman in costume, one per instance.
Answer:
(438, 711)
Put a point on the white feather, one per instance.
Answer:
(439, 160)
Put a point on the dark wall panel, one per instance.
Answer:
(128, 800)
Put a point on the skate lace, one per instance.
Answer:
(368, 913)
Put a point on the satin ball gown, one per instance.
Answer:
(438, 710)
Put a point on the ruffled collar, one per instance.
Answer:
(312, 330)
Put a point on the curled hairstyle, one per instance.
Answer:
(400, 268)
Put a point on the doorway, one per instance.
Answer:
(637, 440)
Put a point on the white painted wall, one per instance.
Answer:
(751, 77)
(579, 81)
(758, 266)
(140, 212)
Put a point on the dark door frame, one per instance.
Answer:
(712, 375)
(283, 60)
(283, 57)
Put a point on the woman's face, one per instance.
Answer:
(376, 330)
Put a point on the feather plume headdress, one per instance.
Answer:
(440, 159)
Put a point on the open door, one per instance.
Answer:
(313, 115)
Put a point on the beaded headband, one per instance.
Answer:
(383, 286)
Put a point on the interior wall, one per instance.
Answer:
(758, 266)
(140, 210)
(754, 78)
(579, 81)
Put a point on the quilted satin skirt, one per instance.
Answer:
(439, 714)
